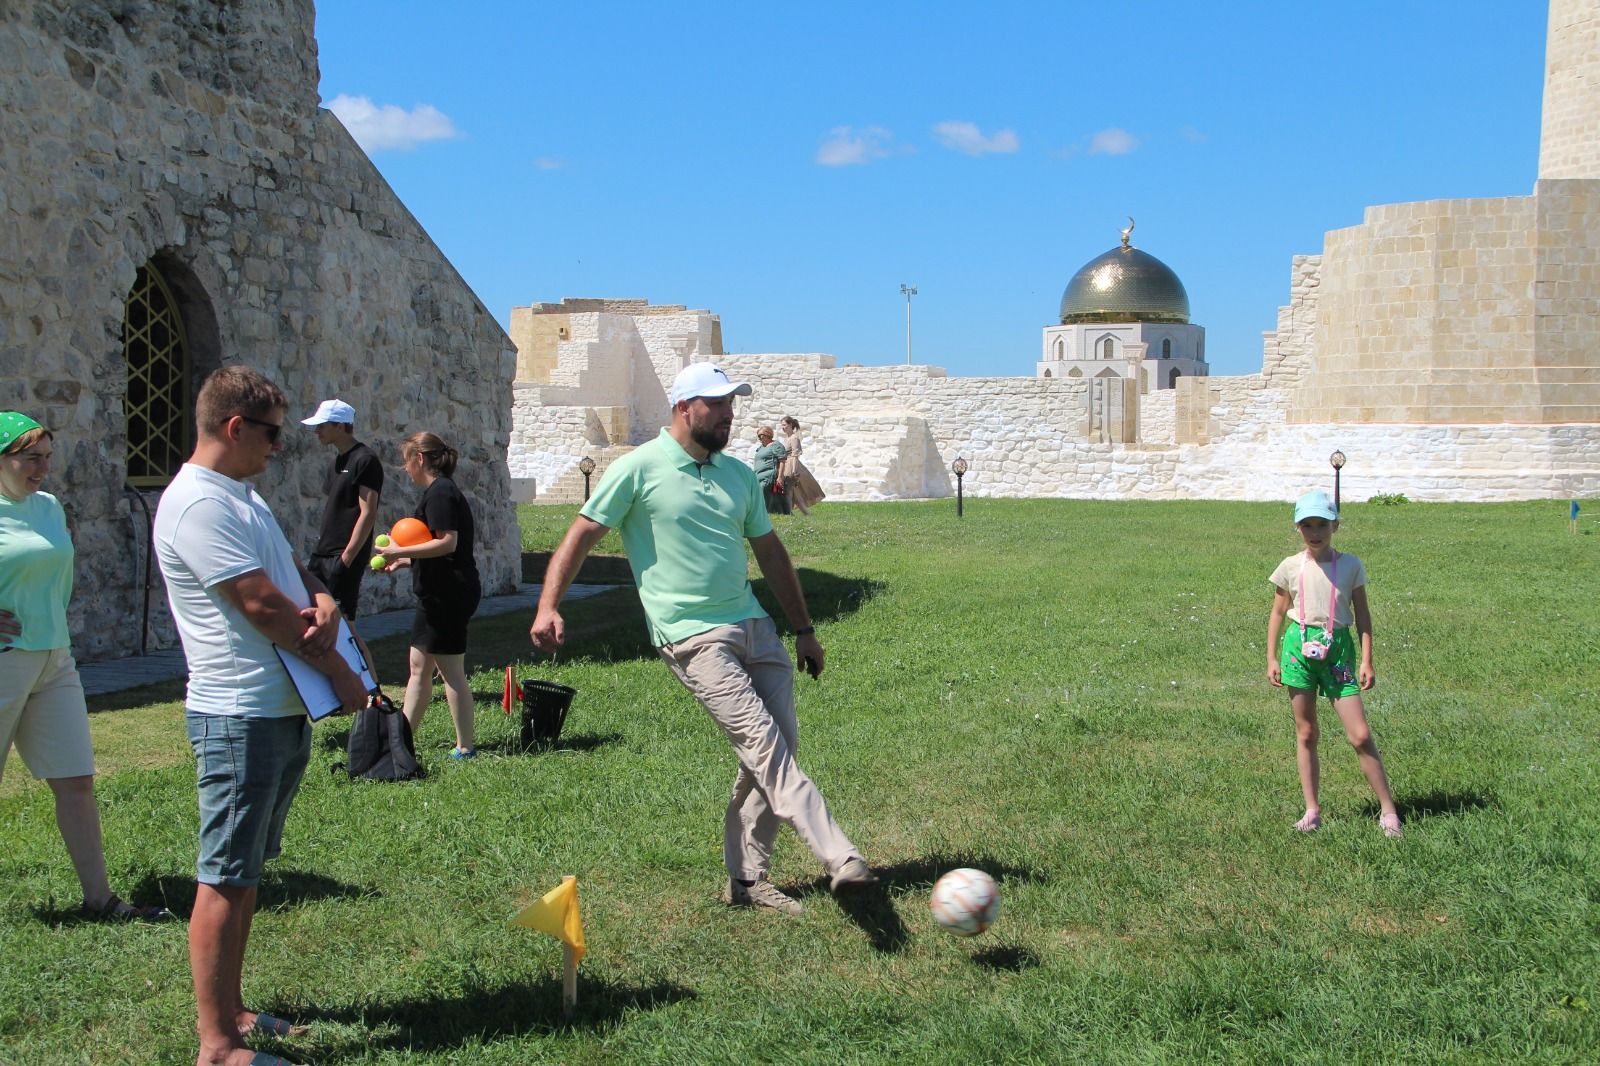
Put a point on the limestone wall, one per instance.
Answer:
(190, 134)
(891, 432)
(1425, 315)
(1158, 417)
(1452, 312)
(1566, 298)
(1568, 147)
(1286, 351)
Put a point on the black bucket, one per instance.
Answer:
(544, 711)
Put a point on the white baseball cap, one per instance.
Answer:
(331, 411)
(703, 379)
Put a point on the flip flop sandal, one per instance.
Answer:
(269, 1025)
(116, 910)
(261, 1058)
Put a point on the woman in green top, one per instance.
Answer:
(769, 459)
(42, 708)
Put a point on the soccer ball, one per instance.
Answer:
(965, 901)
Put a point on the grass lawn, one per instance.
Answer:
(1070, 695)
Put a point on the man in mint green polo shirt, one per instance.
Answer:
(685, 509)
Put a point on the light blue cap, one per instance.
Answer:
(1316, 504)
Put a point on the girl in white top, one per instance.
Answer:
(1322, 594)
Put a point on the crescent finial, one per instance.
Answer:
(1127, 232)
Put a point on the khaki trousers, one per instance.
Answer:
(743, 676)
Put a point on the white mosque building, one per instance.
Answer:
(1122, 310)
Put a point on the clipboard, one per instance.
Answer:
(313, 686)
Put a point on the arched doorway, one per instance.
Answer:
(169, 343)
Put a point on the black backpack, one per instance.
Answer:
(380, 746)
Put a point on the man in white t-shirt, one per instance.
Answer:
(237, 595)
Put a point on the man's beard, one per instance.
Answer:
(711, 438)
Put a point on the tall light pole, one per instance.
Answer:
(908, 291)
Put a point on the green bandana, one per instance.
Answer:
(14, 424)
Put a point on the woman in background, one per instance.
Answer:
(769, 457)
(445, 579)
(42, 709)
(802, 488)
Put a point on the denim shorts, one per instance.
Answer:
(1334, 677)
(248, 770)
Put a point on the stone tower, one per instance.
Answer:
(1568, 143)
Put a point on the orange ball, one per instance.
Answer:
(409, 532)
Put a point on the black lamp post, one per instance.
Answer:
(959, 469)
(1336, 460)
(586, 467)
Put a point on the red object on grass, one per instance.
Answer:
(507, 700)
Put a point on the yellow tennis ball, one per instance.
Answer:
(378, 562)
(381, 540)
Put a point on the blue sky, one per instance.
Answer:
(789, 167)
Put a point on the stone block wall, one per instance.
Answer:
(189, 135)
(1568, 147)
(1287, 350)
(535, 337)
(1566, 298)
(1158, 417)
(1425, 315)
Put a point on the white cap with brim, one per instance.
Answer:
(1316, 504)
(331, 411)
(703, 379)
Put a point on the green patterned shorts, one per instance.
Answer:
(1334, 676)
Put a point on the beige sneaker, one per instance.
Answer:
(853, 873)
(761, 894)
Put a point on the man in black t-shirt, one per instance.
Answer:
(353, 486)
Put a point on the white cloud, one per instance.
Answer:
(379, 128)
(1112, 141)
(847, 146)
(966, 137)
(546, 162)
(1192, 135)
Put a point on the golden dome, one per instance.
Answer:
(1124, 285)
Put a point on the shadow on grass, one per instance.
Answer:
(871, 907)
(1011, 957)
(479, 1014)
(512, 745)
(279, 888)
(1437, 804)
(828, 596)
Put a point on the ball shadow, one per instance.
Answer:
(1012, 957)
(872, 908)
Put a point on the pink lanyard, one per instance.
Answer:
(1333, 594)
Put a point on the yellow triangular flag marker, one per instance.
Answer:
(556, 914)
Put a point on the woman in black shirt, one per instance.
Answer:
(445, 579)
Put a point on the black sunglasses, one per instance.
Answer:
(274, 429)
